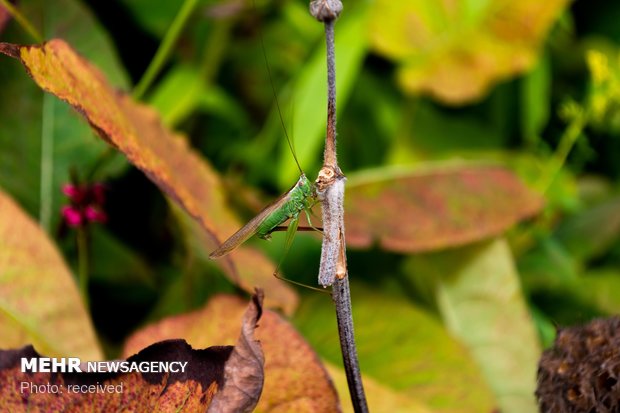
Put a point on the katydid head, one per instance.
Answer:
(305, 185)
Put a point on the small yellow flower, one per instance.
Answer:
(599, 66)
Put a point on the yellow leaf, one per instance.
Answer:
(456, 50)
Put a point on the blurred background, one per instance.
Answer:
(486, 132)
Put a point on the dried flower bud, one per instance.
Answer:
(325, 10)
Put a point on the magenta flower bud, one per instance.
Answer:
(72, 216)
(70, 190)
(74, 192)
(94, 214)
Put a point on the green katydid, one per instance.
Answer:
(301, 197)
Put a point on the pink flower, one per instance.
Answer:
(85, 204)
(94, 214)
(75, 193)
(72, 216)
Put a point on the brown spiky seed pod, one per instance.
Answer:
(581, 372)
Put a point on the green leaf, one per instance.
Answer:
(154, 15)
(438, 132)
(114, 262)
(547, 266)
(480, 300)
(536, 100)
(39, 301)
(590, 233)
(182, 91)
(600, 288)
(178, 93)
(401, 347)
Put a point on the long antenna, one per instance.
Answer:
(275, 96)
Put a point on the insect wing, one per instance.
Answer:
(250, 228)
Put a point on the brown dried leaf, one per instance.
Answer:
(243, 374)
(190, 391)
(295, 379)
(164, 156)
(207, 373)
(39, 302)
(414, 212)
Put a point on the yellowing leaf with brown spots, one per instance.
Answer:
(456, 50)
(200, 383)
(39, 302)
(164, 156)
(422, 211)
(295, 379)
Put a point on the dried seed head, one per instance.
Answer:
(325, 10)
(581, 372)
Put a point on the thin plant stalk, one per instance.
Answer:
(330, 190)
(567, 141)
(46, 193)
(165, 48)
(83, 263)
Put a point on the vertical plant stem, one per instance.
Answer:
(566, 144)
(83, 264)
(330, 190)
(46, 178)
(165, 48)
(330, 153)
(341, 295)
(22, 21)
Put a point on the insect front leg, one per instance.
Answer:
(310, 221)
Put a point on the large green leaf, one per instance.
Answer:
(479, 297)
(401, 347)
(39, 301)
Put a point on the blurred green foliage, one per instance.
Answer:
(554, 121)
